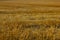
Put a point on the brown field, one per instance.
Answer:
(29, 21)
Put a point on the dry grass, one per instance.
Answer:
(29, 21)
(30, 30)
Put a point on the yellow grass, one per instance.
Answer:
(19, 21)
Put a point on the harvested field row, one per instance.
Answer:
(26, 30)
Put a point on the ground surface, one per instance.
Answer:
(29, 21)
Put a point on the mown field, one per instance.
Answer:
(19, 21)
